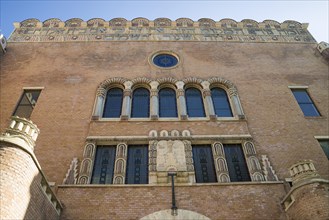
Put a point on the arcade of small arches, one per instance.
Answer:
(167, 98)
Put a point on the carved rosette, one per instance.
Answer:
(220, 163)
(120, 164)
(254, 167)
(87, 163)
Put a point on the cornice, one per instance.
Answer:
(161, 29)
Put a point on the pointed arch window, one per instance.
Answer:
(167, 103)
(113, 103)
(140, 103)
(194, 103)
(221, 103)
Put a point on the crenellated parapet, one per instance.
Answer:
(23, 185)
(308, 196)
(22, 130)
(161, 29)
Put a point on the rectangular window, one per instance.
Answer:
(325, 146)
(137, 164)
(236, 163)
(104, 165)
(305, 102)
(203, 164)
(27, 102)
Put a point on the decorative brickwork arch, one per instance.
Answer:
(52, 22)
(73, 22)
(29, 22)
(181, 215)
(118, 22)
(184, 22)
(162, 22)
(140, 22)
(228, 23)
(206, 22)
(96, 22)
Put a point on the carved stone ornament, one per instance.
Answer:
(140, 22)
(96, 22)
(206, 22)
(53, 22)
(141, 29)
(184, 22)
(118, 22)
(162, 22)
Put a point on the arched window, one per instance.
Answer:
(194, 103)
(167, 103)
(113, 103)
(221, 102)
(140, 103)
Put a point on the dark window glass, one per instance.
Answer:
(165, 60)
(194, 103)
(27, 102)
(113, 103)
(305, 102)
(167, 103)
(236, 163)
(140, 103)
(137, 164)
(104, 165)
(203, 164)
(221, 102)
(325, 147)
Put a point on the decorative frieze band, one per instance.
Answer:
(161, 29)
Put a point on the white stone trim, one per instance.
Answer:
(298, 87)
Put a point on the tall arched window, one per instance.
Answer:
(167, 103)
(221, 102)
(113, 103)
(194, 103)
(140, 103)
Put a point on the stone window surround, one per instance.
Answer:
(259, 170)
(179, 86)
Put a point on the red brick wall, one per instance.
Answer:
(22, 196)
(311, 202)
(233, 201)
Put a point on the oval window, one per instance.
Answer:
(165, 60)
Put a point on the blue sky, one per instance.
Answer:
(313, 12)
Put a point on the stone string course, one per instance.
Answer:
(161, 29)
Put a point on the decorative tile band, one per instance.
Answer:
(161, 29)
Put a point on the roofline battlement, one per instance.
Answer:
(160, 29)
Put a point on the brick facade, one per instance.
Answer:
(70, 73)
